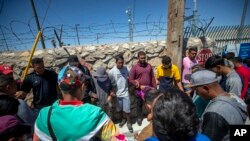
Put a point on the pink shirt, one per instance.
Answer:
(187, 67)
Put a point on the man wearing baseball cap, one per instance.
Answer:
(224, 108)
(8, 88)
(6, 69)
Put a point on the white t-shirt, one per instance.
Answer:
(119, 79)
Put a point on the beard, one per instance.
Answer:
(143, 64)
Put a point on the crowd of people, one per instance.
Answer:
(198, 104)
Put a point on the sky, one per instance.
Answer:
(103, 21)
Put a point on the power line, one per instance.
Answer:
(37, 22)
(77, 34)
(4, 39)
(46, 13)
(1, 8)
(91, 33)
(52, 10)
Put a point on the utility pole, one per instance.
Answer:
(37, 23)
(58, 38)
(61, 34)
(175, 31)
(77, 34)
(97, 38)
(4, 39)
(130, 24)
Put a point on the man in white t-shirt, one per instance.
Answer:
(119, 77)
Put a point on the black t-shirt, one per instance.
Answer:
(43, 87)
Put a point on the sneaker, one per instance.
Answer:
(139, 121)
(122, 123)
(130, 128)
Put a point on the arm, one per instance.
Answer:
(112, 92)
(179, 85)
(21, 95)
(112, 79)
(234, 86)
(153, 79)
(25, 113)
(132, 77)
(184, 66)
(27, 85)
(184, 63)
(177, 78)
(246, 80)
(157, 76)
(112, 86)
(157, 82)
(93, 93)
(92, 85)
(214, 126)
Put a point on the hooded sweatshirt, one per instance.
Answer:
(221, 112)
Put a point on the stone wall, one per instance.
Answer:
(94, 56)
(91, 56)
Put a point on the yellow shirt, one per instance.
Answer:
(173, 72)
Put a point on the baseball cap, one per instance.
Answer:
(6, 69)
(203, 77)
(100, 74)
(72, 75)
(9, 121)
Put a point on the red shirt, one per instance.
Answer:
(243, 71)
(144, 75)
